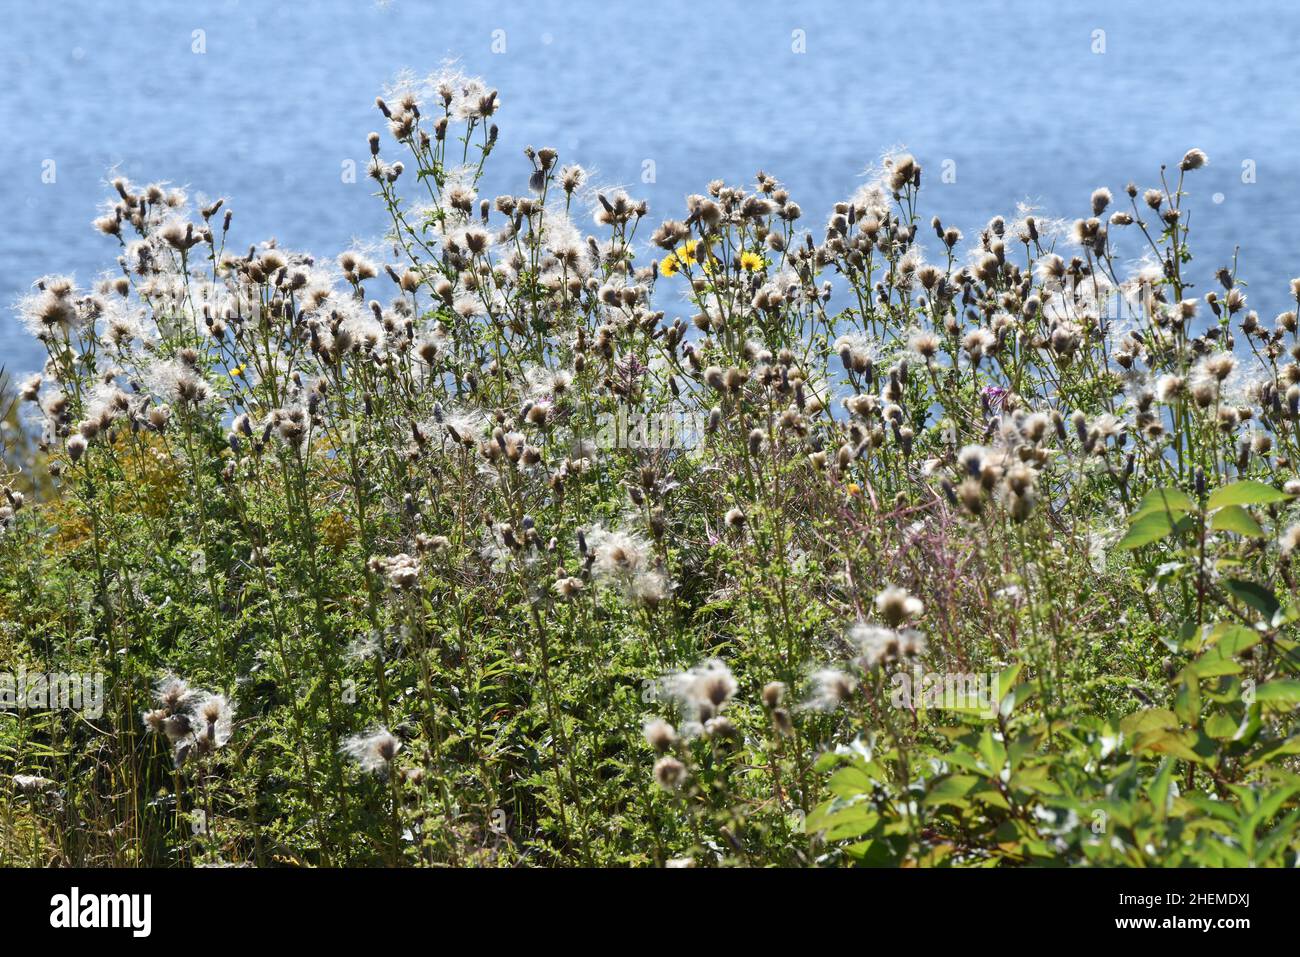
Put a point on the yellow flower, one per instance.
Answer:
(752, 261)
(237, 371)
(854, 488)
(336, 530)
(683, 256)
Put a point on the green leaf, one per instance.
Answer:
(816, 819)
(1266, 754)
(1158, 793)
(1224, 643)
(1271, 802)
(1016, 697)
(1234, 518)
(952, 790)
(883, 852)
(840, 823)
(993, 753)
(1231, 639)
(1170, 501)
(1187, 703)
(1256, 596)
(1146, 529)
(1245, 493)
(1283, 691)
(850, 782)
(1152, 719)
(1211, 666)
(1220, 726)
(1007, 677)
(1167, 742)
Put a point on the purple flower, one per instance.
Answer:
(992, 396)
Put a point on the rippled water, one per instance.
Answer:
(1011, 92)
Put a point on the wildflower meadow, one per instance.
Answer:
(555, 530)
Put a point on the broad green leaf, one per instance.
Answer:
(884, 852)
(1234, 518)
(1207, 805)
(1039, 780)
(1146, 529)
(1191, 637)
(1256, 596)
(850, 782)
(952, 790)
(992, 751)
(828, 760)
(1230, 640)
(990, 795)
(1165, 500)
(1220, 726)
(1152, 719)
(1017, 696)
(1224, 643)
(1266, 754)
(1007, 677)
(1245, 492)
(1283, 691)
(1211, 666)
(816, 819)
(844, 822)
(1271, 802)
(1167, 742)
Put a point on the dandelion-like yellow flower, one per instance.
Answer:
(237, 371)
(752, 262)
(682, 256)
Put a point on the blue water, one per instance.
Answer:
(1012, 92)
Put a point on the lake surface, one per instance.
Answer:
(1015, 94)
